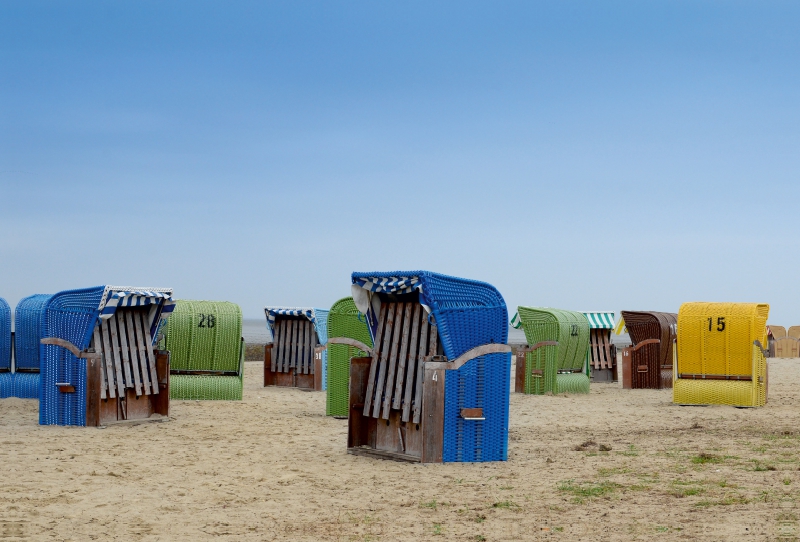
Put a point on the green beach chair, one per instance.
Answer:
(555, 361)
(344, 320)
(205, 342)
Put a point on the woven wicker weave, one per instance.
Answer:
(717, 362)
(5, 336)
(561, 365)
(656, 358)
(205, 337)
(344, 320)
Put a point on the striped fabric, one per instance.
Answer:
(515, 322)
(310, 313)
(389, 285)
(159, 299)
(600, 319)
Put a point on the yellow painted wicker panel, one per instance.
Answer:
(717, 338)
(718, 392)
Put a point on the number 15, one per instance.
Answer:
(720, 323)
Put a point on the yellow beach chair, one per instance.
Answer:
(720, 356)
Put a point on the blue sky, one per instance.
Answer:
(582, 155)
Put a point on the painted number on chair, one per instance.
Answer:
(207, 320)
(720, 324)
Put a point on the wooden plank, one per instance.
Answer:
(416, 406)
(277, 350)
(98, 348)
(301, 348)
(433, 342)
(386, 400)
(376, 354)
(118, 359)
(610, 361)
(287, 338)
(292, 345)
(478, 351)
(151, 356)
(136, 353)
(358, 423)
(126, 320)
(433, 415)
(161, 402)
(273, 353)
(116, 387)
(403, 358)
(94, 384)
(269, 365)
(310, 348)
(126, 354)
(391, 308)
(313, 344)
(413, 349)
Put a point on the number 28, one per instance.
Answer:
(720, 323)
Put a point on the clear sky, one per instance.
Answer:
(581, 155)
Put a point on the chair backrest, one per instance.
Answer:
(204, 337)
(794, 332)
(344, 320)
(778, 332)
(28, 317)
(717, 338)
(5, 336)
(645, 325)
(569, 328)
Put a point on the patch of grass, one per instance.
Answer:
(688, 492)
(704, 458)
(605, 473)
(480, 538)
(438, 529)
(631, 451)
(432, 504)
(662, 528)
(787, 481)
(587, 490)
(761, 467)
(506, 505)
(506, 487)
(480, 518)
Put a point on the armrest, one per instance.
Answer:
(351, 342)
(476, 352)
(71, 347)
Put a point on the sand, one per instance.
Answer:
(273, 467)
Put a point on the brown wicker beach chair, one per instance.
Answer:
(648, 362)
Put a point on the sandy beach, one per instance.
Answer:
(273, 467)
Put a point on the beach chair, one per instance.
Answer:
(344, 321)
(647, 363)
(435, 386)
(720, 355)
(554, 360)
(785, 343)
(602, 353)
(204, 339)
(28, 317)
(98, 363)
(6, 376)
(296, 357)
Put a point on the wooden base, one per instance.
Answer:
(393, 438)
(101, 412)
(292, 379)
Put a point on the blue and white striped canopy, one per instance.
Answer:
(272, 312)
(600, 319)
(389, 285)
(158, 299)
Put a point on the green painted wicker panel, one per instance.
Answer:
(205, 388)
(572, 383)
(343, 321)
(570, 329)
(204, 336)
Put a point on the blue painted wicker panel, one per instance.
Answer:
(5, 335)
(28, 316)
(70, 315)
(322, 335)
(26, 385)
(6, 385)
(480, 383)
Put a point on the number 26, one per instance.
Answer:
(720, 323)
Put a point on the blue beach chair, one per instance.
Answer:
(98, 362)
(435, 385)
